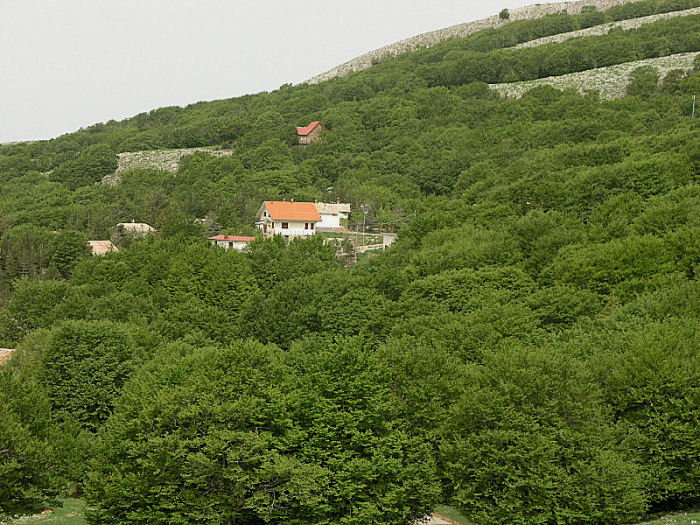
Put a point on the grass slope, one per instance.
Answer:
(72, 513)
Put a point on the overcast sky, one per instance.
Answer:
(66, 64)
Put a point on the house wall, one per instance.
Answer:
(329, 221)
(314, 136)
(233, 245)
(295, 229)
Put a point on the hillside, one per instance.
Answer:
(433, 38)
(526, 352)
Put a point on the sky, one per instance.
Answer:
(67, 64)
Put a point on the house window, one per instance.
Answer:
(273, 224)
(306, 225)
(312, 225)
(285, 225)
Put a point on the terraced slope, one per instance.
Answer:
(604, 29)
(611, 82)
(460, 31)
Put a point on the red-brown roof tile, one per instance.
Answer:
(292, 211)
(305, 130)
(232, 238)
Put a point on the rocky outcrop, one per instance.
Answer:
(161, 160)
(460, 31)
(610, 82)
(604, 29)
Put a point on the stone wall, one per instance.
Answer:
(611, 82)
(460, 31)
(604, 29)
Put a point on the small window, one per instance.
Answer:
(312, 225)
(285, 225)
(306, 225)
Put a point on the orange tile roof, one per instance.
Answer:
(292, 211)
(232, 238)
(303, 131)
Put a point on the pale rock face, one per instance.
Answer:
(460, 31)
(161, 160)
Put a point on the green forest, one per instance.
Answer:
(527, 352)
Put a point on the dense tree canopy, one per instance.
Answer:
(526, 351)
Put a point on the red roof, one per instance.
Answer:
(232, 238)
(292, 211)
(303, 131)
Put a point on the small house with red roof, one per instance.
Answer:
(231, 242)
(289, 219)
(310, 133)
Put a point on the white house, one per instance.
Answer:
(334, 217)
(289, 219)
(232, 242)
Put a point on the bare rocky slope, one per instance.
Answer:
(161, 160)
(459, 31)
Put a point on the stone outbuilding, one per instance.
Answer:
(334, 216)
(98, 248)
(5, 355)
(311, 133)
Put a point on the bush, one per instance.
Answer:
(84, 366)
(244, 435)
(529, 444)
(26, 470)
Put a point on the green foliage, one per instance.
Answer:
(529, 443)
(84, 366)
(643, 82)
(650, 378)
(526, 350)
(242, 434)
(90, 166)
(25, 473)
(28, 468)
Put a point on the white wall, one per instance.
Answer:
(233, 245)
(295, 229)
(329, 221)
